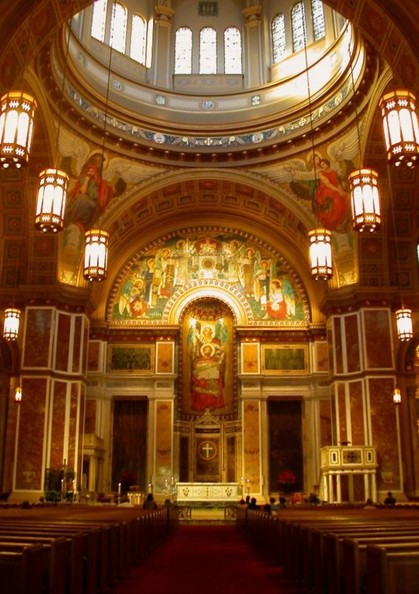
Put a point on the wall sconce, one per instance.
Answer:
(17, 114)
(404, 324)
(96, 255)
(397, 397)
(320, 254)
(11, 323)
(18, 395)
(401, 131)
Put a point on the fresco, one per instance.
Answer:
(152, 279)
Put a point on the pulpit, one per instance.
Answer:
(347, 461)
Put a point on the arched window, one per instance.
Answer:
(208, 51)
(183, 51)
(232, 51)
(317, 14)
(278, 38)
(99, 20)
(118, 27)
(138, 38)
(298, 26)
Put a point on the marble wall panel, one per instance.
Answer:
(378, 339)
(31, 436)
(164, 443)
(384, 433)
(93, 355)
(342, 413)
(58, 420)
(357, 413)
(63, 337)
(78, 349)
(353, 356)
(251, 443)
(337, 345)
(37, 345)
(325, 413)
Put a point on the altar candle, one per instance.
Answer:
(119, 488)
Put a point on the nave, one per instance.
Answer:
(100, 549)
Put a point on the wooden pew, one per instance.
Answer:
(393, 569)
(21, 569)
(55, 558)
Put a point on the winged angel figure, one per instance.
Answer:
(321, 180)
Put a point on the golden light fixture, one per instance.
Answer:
(17, 114)
(320, 254)
(397, 397)
(401, 131)
(18, 395)
(50, 205)
(365, 200)
(404, 324)
(96, 255)
(11, 323)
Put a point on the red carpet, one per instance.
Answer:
(205, 559)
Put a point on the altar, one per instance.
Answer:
(208, 492)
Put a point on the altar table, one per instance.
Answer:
(207, 492)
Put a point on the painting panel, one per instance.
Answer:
(284, 359)
(164, 357)
(125, 358)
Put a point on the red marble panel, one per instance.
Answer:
(85, 343)
(36, 349)
(63, 342)
(31, 436)
(342, 421)
(79, 453)
(325, 423)
(90, 417)
(58, 406)
(93, 355)
(384, 432)
(73, 423)
(353, 357)
(357, 413)
(78, 349)
(378, 339)
(337, 344)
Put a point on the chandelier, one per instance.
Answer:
(11, 323)
(50, 205)
(404, 324)
(365, 200)
(320, 254)
(17, 114)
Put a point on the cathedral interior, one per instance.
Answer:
(204, 145)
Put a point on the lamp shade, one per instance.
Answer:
(404, 324)
(321, 254)
(365, 200)
(17, 113)
(401, 131)
(96, 255)
(11, 323)
(52, 195)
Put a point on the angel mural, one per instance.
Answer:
(207, 344)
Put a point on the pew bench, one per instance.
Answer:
(393, 569)
(21, 569)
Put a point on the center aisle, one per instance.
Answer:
(208, 558)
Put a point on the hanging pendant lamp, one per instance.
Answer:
(96, 255)
(365, 200)
(11, 323)
(404, 324)
(401, 130)
(52, 194)
(321, 254)
(17, 114)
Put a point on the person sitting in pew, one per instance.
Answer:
(149, 503)
(390, 499)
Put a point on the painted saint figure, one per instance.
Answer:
(207, 366)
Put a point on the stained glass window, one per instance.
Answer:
(298, 26)
(232, 51)
(138, 39)
(278, 38)
(317, 13)
(183, 51)
(99, 20)
(208, 51)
